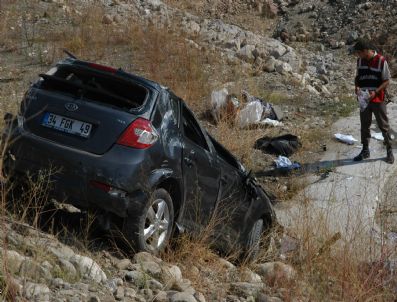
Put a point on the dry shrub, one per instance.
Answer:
(171, 60)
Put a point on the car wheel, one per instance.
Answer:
(151, 229)
(253, 240)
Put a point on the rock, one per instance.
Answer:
(124, 264)
(146, 257)
(192, 28)
(137, 277)
(270, 65)
(153, 284)
(249, 276)
(246, 289)
(292, 59)
(94, 298)
(199, 297)
(278, 52)
(246, 53)
(119, 294)
(67, 267)
(14, 260)
(184, 285)
(129, 292)
(183, 297)
(226, 264)
(283, 68)
(88, 268)
(170, 275)
(63, 252)
(352, 37)
(34, 271)
(151, 268)
(312, 90)
(324, 78)
(161, 297)
(274, 271)
(36, 292)
(107, 19)
(57, 283)
(269, 9)
(113, 284)
(265, 298)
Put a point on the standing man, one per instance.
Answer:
(372, 78)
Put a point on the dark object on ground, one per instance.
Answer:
(285, 145)
(133, 152)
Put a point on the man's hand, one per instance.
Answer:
(357, 90)
(372, 95)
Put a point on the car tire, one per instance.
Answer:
(151, 229)
(253, 241)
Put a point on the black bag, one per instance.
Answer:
(285, 145)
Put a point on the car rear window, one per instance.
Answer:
(92, 85)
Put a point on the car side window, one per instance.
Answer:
(191, 129)
(168, 109)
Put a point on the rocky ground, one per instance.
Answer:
(292, 53)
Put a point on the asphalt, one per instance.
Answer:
(356, 200)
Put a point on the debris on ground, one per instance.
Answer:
(344, 138)
(283, 162)
(258, 112)
(285, 145)
(377, 135)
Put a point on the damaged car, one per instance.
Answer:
(130, 150)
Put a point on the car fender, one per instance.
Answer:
(158, 176)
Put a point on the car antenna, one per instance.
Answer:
(70, 54)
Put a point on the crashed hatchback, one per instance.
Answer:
(132, 151)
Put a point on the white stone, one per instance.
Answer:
(88, 268)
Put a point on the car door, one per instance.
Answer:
(233, 198)
(201, 173)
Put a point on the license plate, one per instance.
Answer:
(66, 124)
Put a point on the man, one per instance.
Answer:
(372, 78)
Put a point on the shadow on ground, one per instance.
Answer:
(315, 167)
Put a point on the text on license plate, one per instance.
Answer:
(66, 124)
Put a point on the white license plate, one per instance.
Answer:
(66, 124)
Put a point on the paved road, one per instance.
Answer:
(350, 199)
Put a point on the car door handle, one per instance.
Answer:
(188, 161)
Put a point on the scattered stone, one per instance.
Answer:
(119, 294)
(34, 271)
(124, 264)
(88, 268)
(107, 19)
(183, 297)
(276, 271)
(246, 289)
(14, 260)
(36, 292)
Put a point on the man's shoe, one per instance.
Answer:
(390, 156)
(363, 155)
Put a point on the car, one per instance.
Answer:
(130, 150)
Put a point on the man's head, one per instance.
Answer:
(363, 49)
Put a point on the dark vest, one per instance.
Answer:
(369, 72)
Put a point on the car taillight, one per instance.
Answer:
(140, 135)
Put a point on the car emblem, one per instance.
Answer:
(71, 106)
